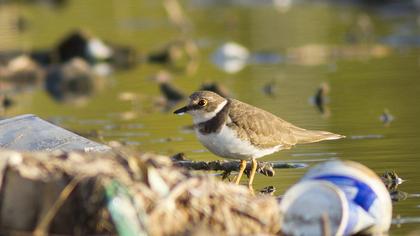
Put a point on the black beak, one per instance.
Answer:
(181, 110)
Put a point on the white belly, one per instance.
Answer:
(226, 144)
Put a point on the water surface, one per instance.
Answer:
(367, 54)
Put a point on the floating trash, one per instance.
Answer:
(337, 198)
(98, 50)
(231, 57)
(386, 117)
(73, 81)
(81, 44)
(269, 190)
(392, 181)
(392, 178)
(30, 133)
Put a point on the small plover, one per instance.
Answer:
(236, 130)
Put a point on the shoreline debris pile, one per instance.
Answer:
(78, 193)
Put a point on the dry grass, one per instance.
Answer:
(166, 200)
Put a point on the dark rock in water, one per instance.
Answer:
(7, 102)
(179, 157)
(123, 57)
(22, 72)
(215, 87)
(71, 81)
(42, 57)
(170, 92)
(6, 56)
(320, 97)
(79, 44)
(161, 57)
(93, 50)
(171, 95)
(179, 55)
(73, 45)
(166, 55)
(21, 23)
(270, 88)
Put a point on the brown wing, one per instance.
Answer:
(266, 130)
(260, 127)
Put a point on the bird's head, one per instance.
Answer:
(203, 105)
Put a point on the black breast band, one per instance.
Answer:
(215, 124)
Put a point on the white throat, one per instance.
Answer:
(199, 116)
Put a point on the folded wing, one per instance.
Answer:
(266, 130)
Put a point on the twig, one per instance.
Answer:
(42, 228)
(265, 168)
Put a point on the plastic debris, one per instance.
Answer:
(30, 133)
(342, 198)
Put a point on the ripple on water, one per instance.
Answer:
(367, 136)
(314, 160)
(314, 154)
(126, 134)
(167, 140)
(405, 220)
(123, 126)
(93, 122)
(199, 151)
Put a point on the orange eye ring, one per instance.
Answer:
(202, 102)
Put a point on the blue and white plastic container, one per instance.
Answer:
(341, 197)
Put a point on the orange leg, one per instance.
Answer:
(254, 166)
(241, 171)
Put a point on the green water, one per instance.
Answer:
(362, 82)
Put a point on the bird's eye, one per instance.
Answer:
(202, 102)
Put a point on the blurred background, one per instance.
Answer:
(113, 71)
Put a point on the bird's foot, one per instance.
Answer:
(251, 190)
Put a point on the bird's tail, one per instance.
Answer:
(312, 136)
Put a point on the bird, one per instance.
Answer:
(233, 129)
